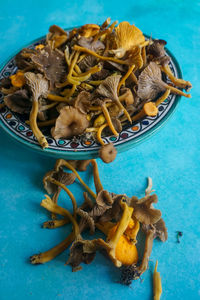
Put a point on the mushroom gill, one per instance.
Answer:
(71, 122)
(126, 37)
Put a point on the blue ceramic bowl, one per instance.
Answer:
(14, 124)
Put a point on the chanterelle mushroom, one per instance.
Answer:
(150, 83)
(108, 153)
(126, 37)
(19, 101)
(82, 102)
(39, 87)
(108, 88)
(71, 122)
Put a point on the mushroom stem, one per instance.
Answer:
(134, 78)
(163, 97)
(81, 57)
(108, 119)
(144, 56)
(177, 91)
(53, 252)
(178, 82)
(95, 82)
(95, 108)
(55, 208)
(124, 110)
(57, 98)
(62, 162)
(97, 181)
(91, 71)
(66, 97)
(102, 34)
(90, 52)
(87, 86)
(44, 123)
(147, 250)
(157, 285)
(77, 69)
(91, 129)
(33, 123)
(122, 81)
(58, 183)
(74, 61)
(55, 200)
(55, 223)
(99, 132)
(48, 106)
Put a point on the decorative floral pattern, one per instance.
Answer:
(16, 123)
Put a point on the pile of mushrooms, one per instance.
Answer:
(119, 217)
(94, 79)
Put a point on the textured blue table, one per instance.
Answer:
(171, 158)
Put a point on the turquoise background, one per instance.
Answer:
(171, 158)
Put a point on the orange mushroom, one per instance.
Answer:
(18, 79)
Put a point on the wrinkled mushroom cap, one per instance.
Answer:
(18, 102)
(71, 122)
(107, 153)
(143, 210)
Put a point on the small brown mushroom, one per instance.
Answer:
(19, 101)
(150, 83)
(89, 30)
(82, 251)
(108, 88)
(82, 102)
(71, 122)
(39, 87)
(56, 36)
(156, 49)
(104, 198)
(61, 176)
(108, 153)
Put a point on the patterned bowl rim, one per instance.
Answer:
(88, 154)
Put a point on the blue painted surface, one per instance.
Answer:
(171, 158)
